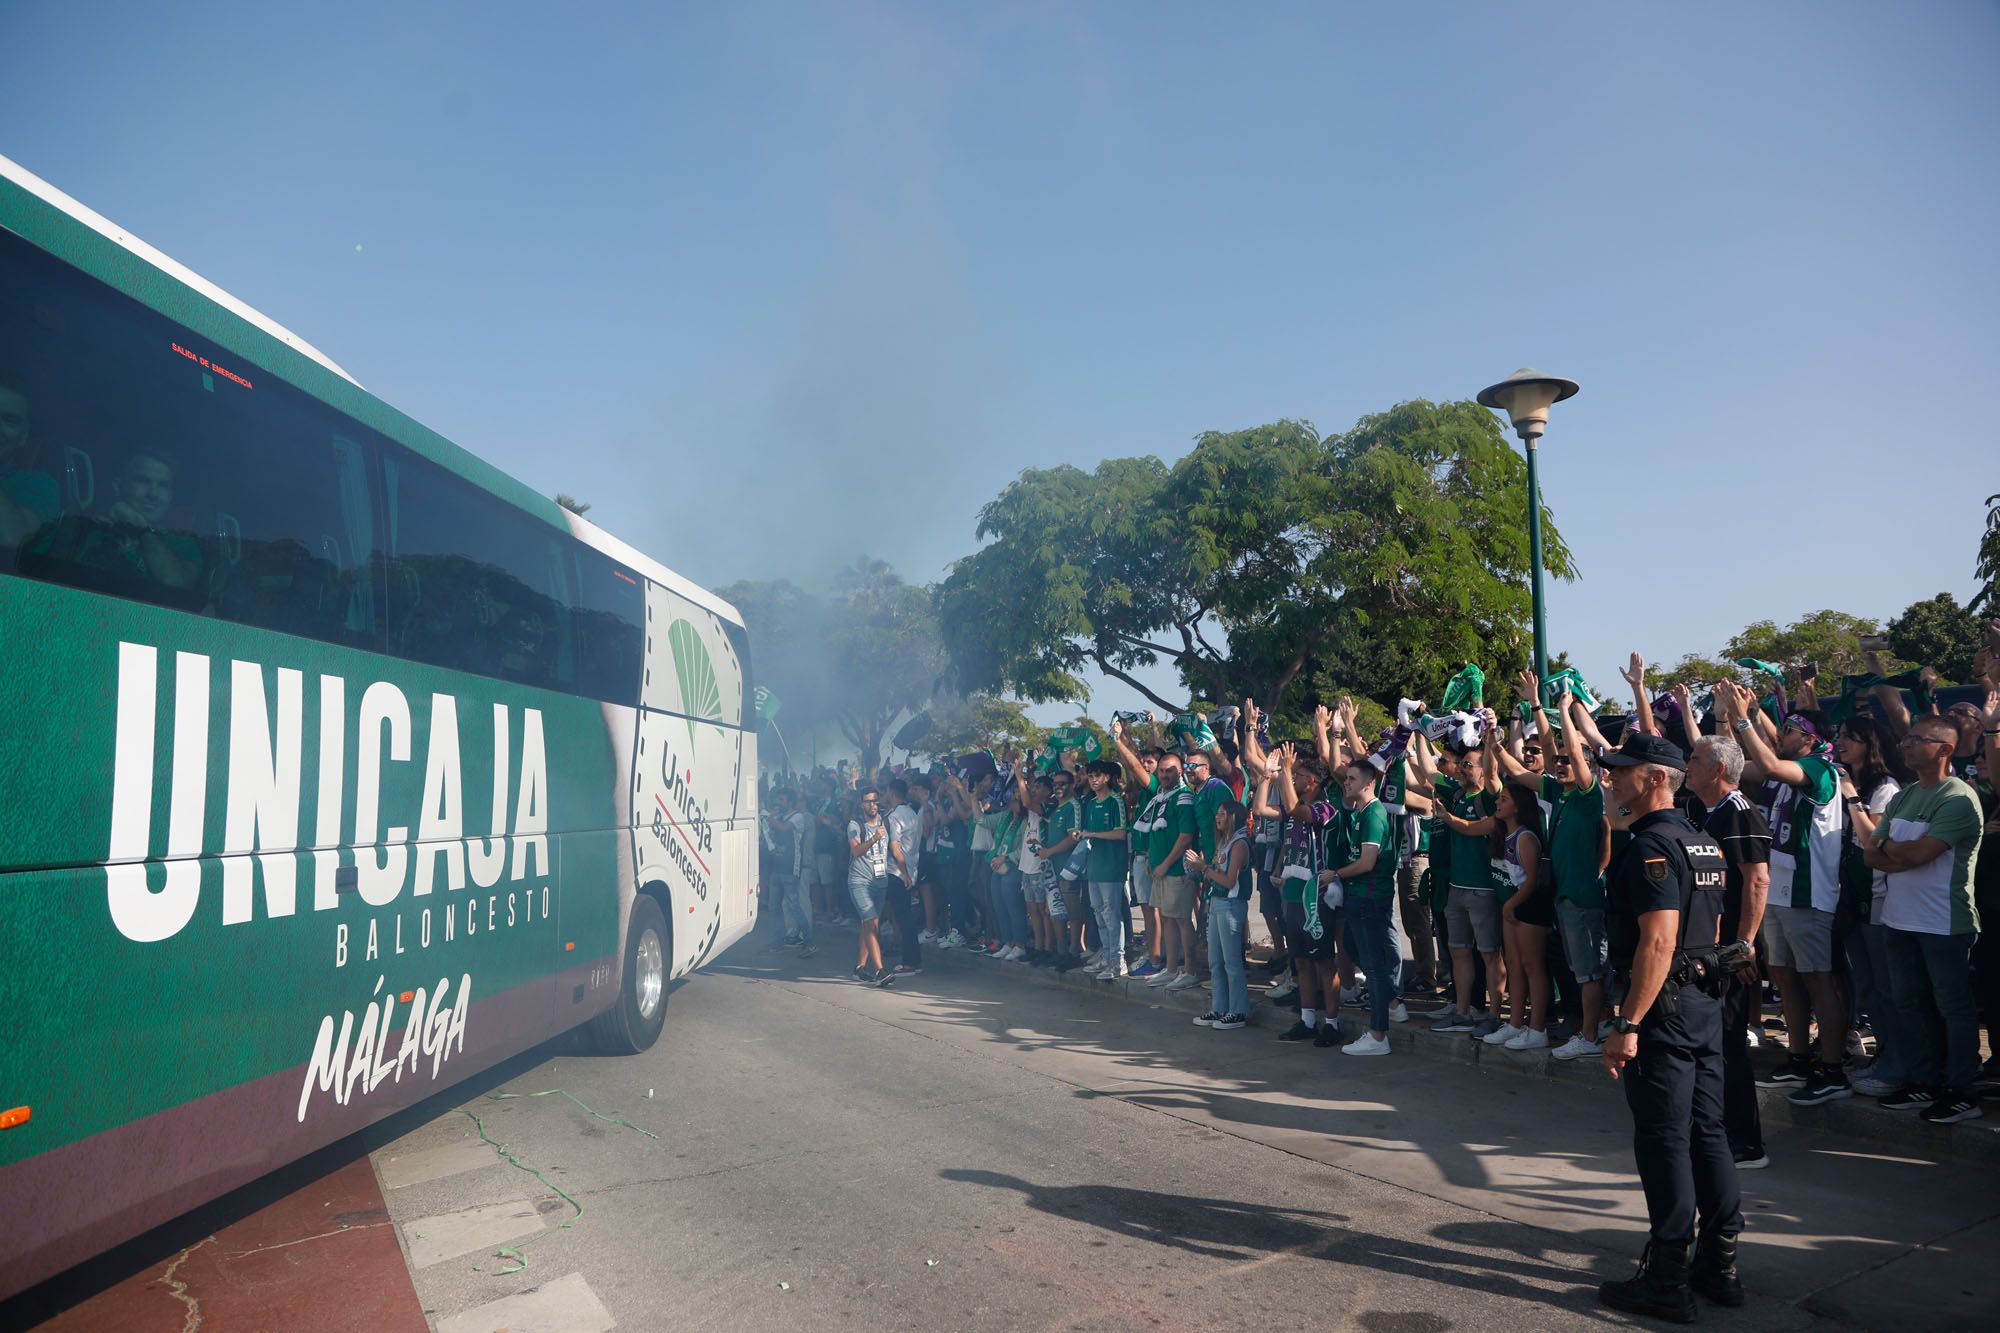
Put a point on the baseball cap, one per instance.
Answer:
(1644, 748)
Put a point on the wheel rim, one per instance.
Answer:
(652, 977)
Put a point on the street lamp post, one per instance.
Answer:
(1526, 396)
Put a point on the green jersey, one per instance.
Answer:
(1806, 825)
(1106, 862)
(1172, 815)
(1573, 830)
(1212, 794)
(1470, 854)
(1372, 823)
(1061, 822)
(1393, 791)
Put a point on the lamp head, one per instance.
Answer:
(1526, 396)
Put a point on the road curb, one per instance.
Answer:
(1973, 1142)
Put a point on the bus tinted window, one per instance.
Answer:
(474, 583)
(161, 469)
(610, 630)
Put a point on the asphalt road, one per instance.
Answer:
(974, 1151)
(969, 1152)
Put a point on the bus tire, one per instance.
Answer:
(633, 1024)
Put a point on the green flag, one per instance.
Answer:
(1465, 691)
(767, 705)
(1081, 739)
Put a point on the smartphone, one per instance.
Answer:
(1874, 643)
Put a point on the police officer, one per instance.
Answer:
(1663, 903)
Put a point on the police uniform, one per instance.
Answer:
(1675, 1086)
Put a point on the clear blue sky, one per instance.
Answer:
(772, 285)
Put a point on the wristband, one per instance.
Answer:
(1741, 724)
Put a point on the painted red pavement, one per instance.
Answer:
(322, 1259)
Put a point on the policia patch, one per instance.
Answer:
(1656, 869)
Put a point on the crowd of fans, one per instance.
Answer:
(1455, 862)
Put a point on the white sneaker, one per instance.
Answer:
(1350, 996)
(926, 937)
(1281, 988)
(1503, 1034)
(1530, 1040)
(1752, 1038)
(1162, 977)
(1183, 981)
(1112, 974)
(1398, 1013)
(1366, 1044)
(1013, 953)
(945, 942)
(1578, 1047)
(1855, 1050)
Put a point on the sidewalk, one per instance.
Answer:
(1973, 1142)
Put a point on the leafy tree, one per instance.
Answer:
(1829, 639)
(1083, 566)
(855, 660)
(1385, 558)
(1986, 567)
(1938, 632)
(982, 722)
(1691, 670)
(884, 657)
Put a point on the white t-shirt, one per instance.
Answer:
(1031, 844)
(1878, 801)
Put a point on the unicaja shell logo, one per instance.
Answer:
(700, 697)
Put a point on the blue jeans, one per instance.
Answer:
(1107, 904)
(1227, 918)
(1371, 933)
(1009, 908)
(1931, 976)
(795, 902)
(1868, 957)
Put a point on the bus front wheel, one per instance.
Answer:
(633, 1024)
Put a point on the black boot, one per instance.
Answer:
(1659, 1288)
(1714, 1270)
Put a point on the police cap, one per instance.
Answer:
(1643, 748)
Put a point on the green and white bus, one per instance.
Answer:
(335, 764)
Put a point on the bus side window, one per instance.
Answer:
(476, 585)
(610, 628)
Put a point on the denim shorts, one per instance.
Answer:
(869, 898)
(1142, 882)
(1584, 941)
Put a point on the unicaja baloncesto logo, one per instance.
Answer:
(701, 698)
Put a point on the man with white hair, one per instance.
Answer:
(1744, 835)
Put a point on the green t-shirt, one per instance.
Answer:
(1061, 822)
(1470, 855)
(1175, 816)
(1106, 861)
(1372, 823)
(1391, 791)
(1572, 840)
(1212, 794)
(1147, 791)
(1934, 898)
